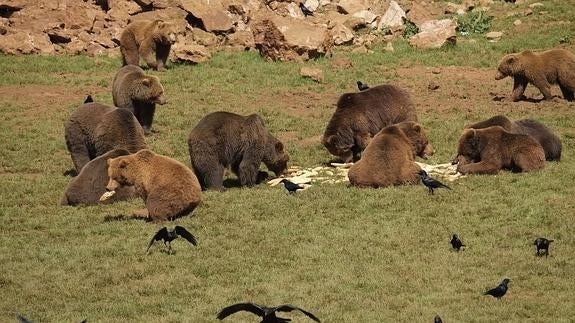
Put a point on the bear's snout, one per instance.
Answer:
(112, 185)
(499, 75)
(161, 100)
(428, 151)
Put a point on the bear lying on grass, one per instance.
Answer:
(95, 128)
(90, 184)
(487, 151)
(223, 139)
(151, 40)
(547, 139)
(556, 66)
(169, 188)
(389, 157)
(360, 115)
(139, 93)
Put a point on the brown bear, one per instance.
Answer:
(556, 66)
(488, 150)
(139, 93)
(90, 184)
(169, 188)
(360, 115)
(223, 139)
(389, 157)
(547, 139)
(95, 128)
(151, 40)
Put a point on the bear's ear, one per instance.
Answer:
(511, 59)
(279, 146)
(417, 127)
(470, 132)
(146, 81)
(122, 163)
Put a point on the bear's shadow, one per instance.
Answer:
(124, 217)
(234, 182)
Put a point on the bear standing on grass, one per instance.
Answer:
(486, 151)
(547, 139)
(139, 93)
(95, 128)
(360, 115)
(90, 184)
(151, 40)
(389, 157)
(223, 139)
(556, 66)
(169, 188)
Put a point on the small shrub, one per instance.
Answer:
(410, 29)
(474, 22)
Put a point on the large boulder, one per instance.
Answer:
(23, 42)
(184, 52)
(434, 34)
(393, 17)
(209, 15)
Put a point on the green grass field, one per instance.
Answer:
(345, 254)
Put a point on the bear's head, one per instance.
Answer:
(339, 146)
(125, 170)
(469, 147)
(165, 32)
(150, 90)
(276, 158)
(418, 138)
(508, 66)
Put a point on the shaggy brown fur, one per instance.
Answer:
(556, 66)
(486, 151)
(360, 115)
(223, 139)
(169, 188)
(547, 139)
(95, 128)
(139, 93)
(389, 157)
(151, 40)
(90, 184)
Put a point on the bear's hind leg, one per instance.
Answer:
(148, 52)
(528, 161)
(481, 167)
(129, 50)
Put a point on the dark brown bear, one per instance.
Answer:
(169, 188)
(139, 93)
(488, 150)
(95, 128)
(556, 66)
(223, 139)
(389, 157)
(90, 184)
(151, 40)
(360, 115)
(547, 139)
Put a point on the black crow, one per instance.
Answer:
(437, 319)
(456, 243)
(431, 183)
(306, 12)
(169, 235)
(291, 187)
(267, 313)
(88, 99)
(542, 244)
(362, 86)
(498, 291)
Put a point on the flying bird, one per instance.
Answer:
(437, 319)
(456, 242)
(498, 291)
(542, 244)
(306, 12)
(290, 186)
(169, 235)
(267, 313)
(362, 86)
(431, 183)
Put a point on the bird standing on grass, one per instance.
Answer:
(456, 243)
(542, 244)
(500, 290)
(437, 319)
(267, 313)
(306, 12)
(362, 86)
(290, 186)
(169, 235)
(430, 183)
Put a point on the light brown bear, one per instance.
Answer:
(389, 157)
(488, 150)
(169, 188)
(556, 66)
(223, 139)
(360, 115)
(95, 128)
(139, 93)
(547, 139)
(151, 40)
(90, 184)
